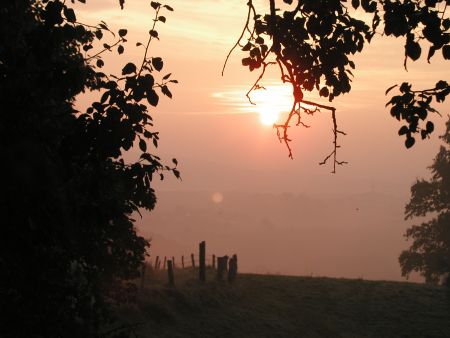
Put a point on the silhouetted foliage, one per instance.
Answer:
(429, 253)
(312, 43)
(68, 243)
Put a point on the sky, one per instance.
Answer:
(227, 153)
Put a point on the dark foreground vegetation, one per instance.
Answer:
(283, 306)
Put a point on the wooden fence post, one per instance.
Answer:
(157, 263)
(193, 260)
(202, 265)
(232, 271)
(214, 261)
(222, 263)
(170, 273)
(173, 262)
(182, 261)
(165, 262)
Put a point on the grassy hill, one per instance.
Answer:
(283, 306)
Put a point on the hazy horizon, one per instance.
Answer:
(347, 235)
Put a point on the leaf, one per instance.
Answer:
(122, 32)
(167, 76)
(355, 4)
(142, 145)
(446, 52)
(165, 90)
(98, 107)
(52, 14)
(157, 63)
(324, 92)
(409, 142)
(100, 63)
(247, 47)
(441, 84)
(289, 2)
(176, 173)
(99, 34)
(246, 61)
(174, 160)
(389, 89)
(104, 97)
(423, 134)
(121, 2)
(405, 87)
(69, 13)
(403, 130)
(120, 49)
(369, 6)
(255, 53)
(413, 49)
(446, 23)
(430, 127)
(152, 97)
(147, 81)
(155, 5)
(162, 18)
(129, 68)
(168, 8)
(153, 33)
(146, 156)
(264, 49)
(431, 52)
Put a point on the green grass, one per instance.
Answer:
(284, 306)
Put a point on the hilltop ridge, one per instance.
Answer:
(287, 306)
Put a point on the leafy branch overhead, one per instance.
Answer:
(121, 110)
(312, 43)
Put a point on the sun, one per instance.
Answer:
(271, 102)
(268, 116)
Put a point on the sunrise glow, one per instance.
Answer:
(271, 102)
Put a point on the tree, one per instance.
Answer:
(312, 42)
(429, 253)
(68, 244)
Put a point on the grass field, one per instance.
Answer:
(284, 306)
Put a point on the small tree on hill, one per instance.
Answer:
(429, 253)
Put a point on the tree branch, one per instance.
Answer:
(247, 22)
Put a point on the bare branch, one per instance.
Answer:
(246, 28)
(336, 146)
(256, 84)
